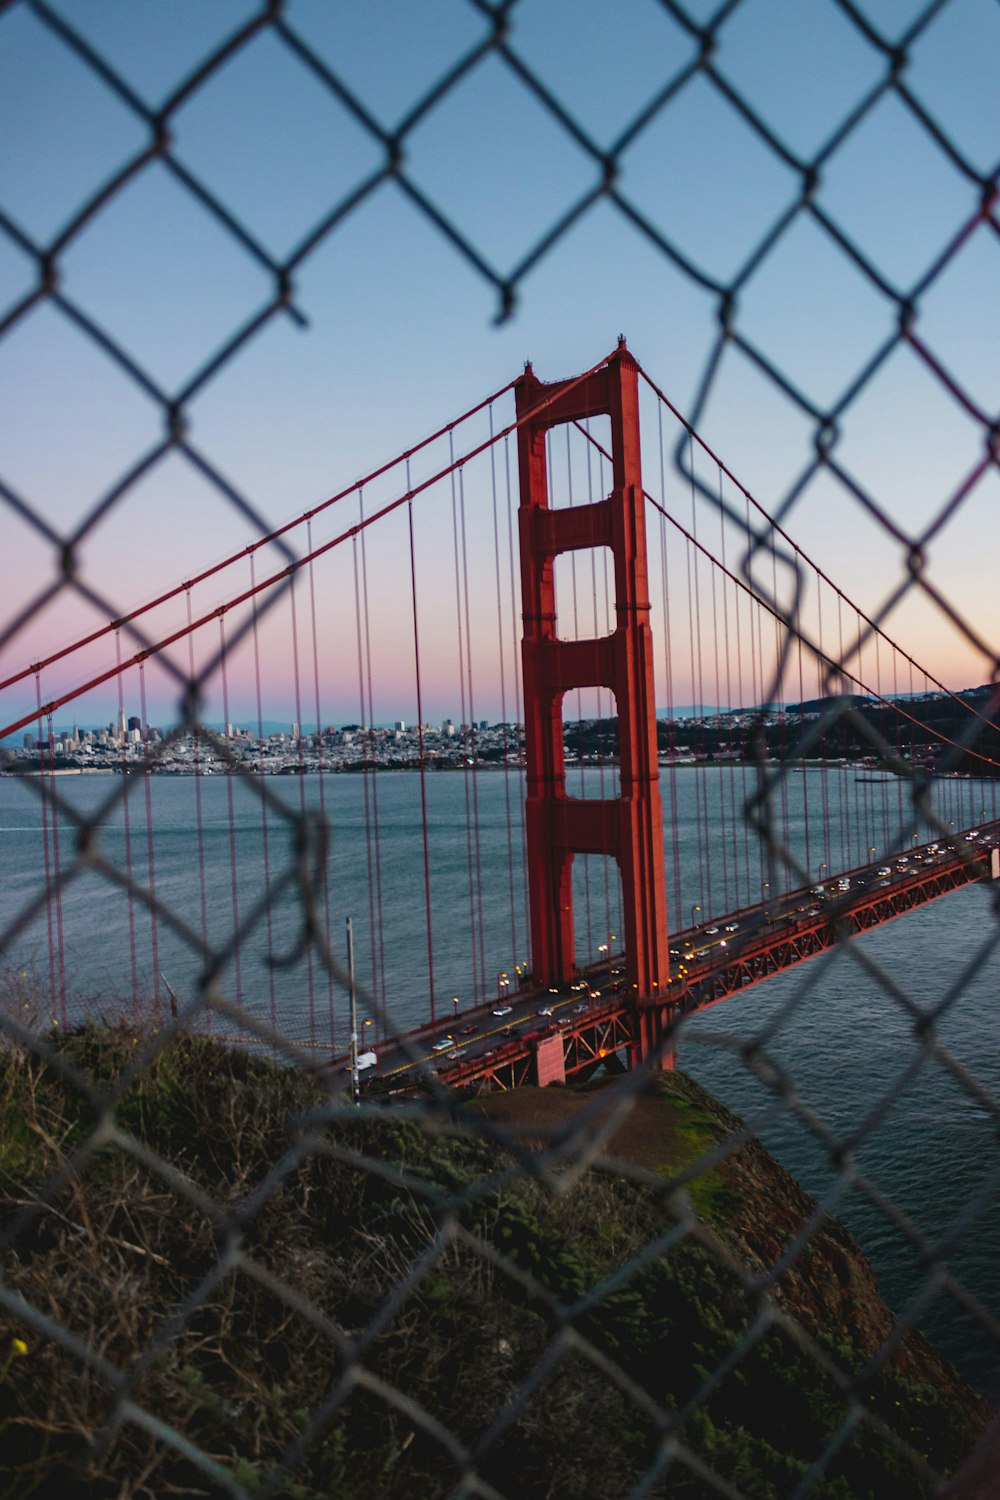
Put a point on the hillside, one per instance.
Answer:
(565, 1315)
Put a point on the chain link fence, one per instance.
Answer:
(219, 1277)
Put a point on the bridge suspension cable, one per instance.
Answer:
(406, 612)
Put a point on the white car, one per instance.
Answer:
(444, 1044)
(502, 1010)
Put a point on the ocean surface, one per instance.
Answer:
(840, 1029)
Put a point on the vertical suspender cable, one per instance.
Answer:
(884, 800)
(842, 858)
(619, 909)
(802, 758)
(823, 691)
(57, 878)
(150, 852)
(895, 695)
(375, 792)
(723, 829)
(364, 764)
(199, 818)
(265, 840)
(503, 701)
(331, 1017)
(756, 687)
(127, 824)
(698, 818)
(860, 808)
(44, 800)
(366, 770)
(698, 686)
(464, 726)
(735, 843)
(519, 725)
(779, 684)
(675, 863)
(301, 778)
(745, 898)
(473, 756)
(423, 764)
(234, 886)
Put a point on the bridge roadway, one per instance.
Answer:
(498, 1045)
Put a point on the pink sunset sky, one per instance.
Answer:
(399, 335)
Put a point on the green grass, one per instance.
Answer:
(116, 1250)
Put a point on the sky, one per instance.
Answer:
(399, 333)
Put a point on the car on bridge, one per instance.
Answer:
(502, 1010)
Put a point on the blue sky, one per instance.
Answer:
(401, 330)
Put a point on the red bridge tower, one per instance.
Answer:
(629, 827)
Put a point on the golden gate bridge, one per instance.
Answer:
(515, 557)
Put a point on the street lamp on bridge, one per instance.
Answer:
(694, 919)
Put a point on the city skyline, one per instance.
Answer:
(399, 335)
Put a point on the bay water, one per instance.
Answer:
(853, 1064)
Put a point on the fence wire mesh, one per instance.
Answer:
(219, 1276)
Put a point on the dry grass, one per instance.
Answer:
(268, 1319)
